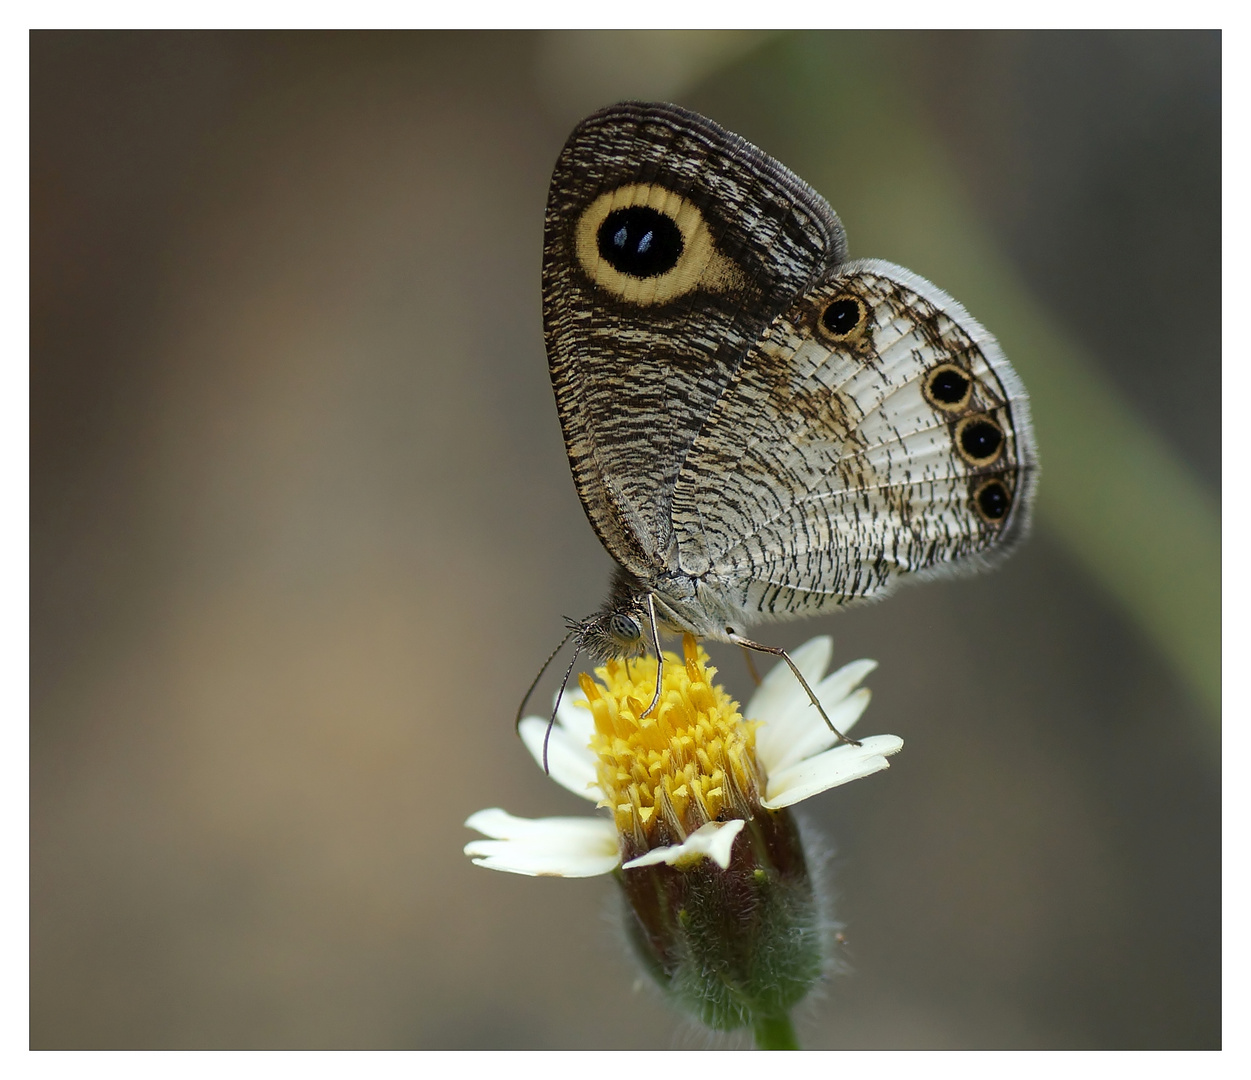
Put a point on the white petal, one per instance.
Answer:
(714, 840)
(827, 770)
(839, 684)
(811, 738)
(781, 701)
(780, 686)
(798, 724)
(570, 761)
(513, 858)
(501, 825)
(544, 847)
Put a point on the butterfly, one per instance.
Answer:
(758, 428)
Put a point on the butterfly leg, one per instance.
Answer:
(660, 660)
(751, 666)
(755, 646)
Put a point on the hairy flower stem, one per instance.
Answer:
(775, 1033)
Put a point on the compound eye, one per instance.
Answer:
(624, 628)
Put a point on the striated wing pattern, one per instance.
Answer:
(875, 430)
(639, 358)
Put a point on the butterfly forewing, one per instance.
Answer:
(875, 430)
(670, 246)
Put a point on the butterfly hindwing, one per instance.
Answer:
(670, 247)
(875, 430)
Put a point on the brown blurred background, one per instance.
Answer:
(303, 530)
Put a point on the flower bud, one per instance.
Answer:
(735, 947)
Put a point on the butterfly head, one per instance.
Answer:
(615, 633)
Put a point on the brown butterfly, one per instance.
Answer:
(758, 428)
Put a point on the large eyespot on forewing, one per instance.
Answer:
(640, 241)
(648, 245)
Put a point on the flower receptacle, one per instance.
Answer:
(736, 946)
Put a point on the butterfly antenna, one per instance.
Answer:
(547, 735)
(546, 664)
(660, 660)
(755, 646)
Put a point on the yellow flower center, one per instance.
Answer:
(691, 761)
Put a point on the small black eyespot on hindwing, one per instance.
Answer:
(640, 241)
(843, 317)
(979, 439)
(947, 387)
(992, 501)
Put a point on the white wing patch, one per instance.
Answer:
(825, 471)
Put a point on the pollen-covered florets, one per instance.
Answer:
(689, 762)
(729, 937)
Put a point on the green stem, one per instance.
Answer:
(775, 1033)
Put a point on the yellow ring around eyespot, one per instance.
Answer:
(947, 406)
(700, 266)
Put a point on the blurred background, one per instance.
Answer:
(303, 530)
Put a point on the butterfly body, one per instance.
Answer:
(758, 428)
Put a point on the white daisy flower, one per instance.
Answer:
(720, 906)
(683, 782)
